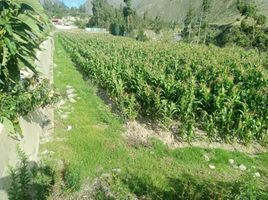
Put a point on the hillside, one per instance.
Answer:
(223, 11)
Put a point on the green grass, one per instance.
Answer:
(96, 146)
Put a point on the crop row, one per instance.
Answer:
(223, 92)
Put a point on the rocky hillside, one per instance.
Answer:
(223, 11)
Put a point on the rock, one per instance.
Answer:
(45, 140)
(64, 116)
(257, 174)
(72, 100)
(231, 161)
(71, 95)
(235, 166)
(206, 158)
(45, 152)
(212, 166)
(116, 170)
(242, 167)
(70, 91)
(69, 127)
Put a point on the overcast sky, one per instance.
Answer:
(73, 3)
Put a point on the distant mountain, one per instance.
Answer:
(49, 1)
(223, 11)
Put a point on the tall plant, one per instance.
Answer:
(19, 37)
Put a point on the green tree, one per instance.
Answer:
(103, 14)
(128, 12)
(246, 9)
(261, 20)
(20, 29)
(188, 22)
(206, 6)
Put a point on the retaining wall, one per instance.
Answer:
(34, 126)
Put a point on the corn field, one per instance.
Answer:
(223, 92)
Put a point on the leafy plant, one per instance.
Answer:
(21, 32)
(19, 37)
(30, 181)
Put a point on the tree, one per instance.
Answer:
(249, 11)
(261, 20)
(188, 22)
(18, 40)
(103, 14)
(206, 5)
(246, 9)
(128, 12)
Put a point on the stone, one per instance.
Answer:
(64, 116)
(206, 158)
(69, 127)
(242, 167)
(45, 140)
(71, 95)
(72, 100)
(212, 166)
(116, 170)
(45, 152)
(257, 174)
(70, 91)
(231, 161)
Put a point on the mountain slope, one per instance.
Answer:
(223, 11)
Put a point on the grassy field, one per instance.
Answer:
(96, 155)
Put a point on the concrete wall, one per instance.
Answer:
(34, 126)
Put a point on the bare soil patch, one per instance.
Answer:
(138, 134)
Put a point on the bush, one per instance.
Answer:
(141, 36)
(117, 29)
(30, 182)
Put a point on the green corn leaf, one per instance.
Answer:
(11, 46)
(25, 7)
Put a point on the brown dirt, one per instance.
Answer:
(140, 134)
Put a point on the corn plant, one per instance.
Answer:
(222, 91)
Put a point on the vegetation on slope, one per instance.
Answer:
(223, 11)
(249, 31)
